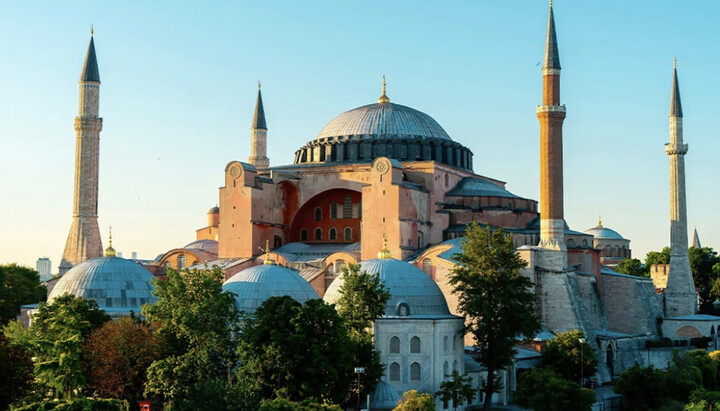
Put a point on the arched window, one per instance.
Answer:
(608, 251)
(394, 372)
(446, 343)
(427, 266)
(303, 235)
(339, 266)
(318, 214)
(415, 345)
(394, 345)
(347, 235)
(332, 234)
(415, 373)
(455, 344)
(403, 310)
(347, 207)
(333, 210)
(455, 365)
(277, 242)
(181, 261)
(617, 251)
(421, 239)
(446, 369)
(585, 243)
(570, 243)
(318, 234)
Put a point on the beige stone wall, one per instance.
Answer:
(631, 304)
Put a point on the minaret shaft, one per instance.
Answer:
(84, 240)
(680, 297)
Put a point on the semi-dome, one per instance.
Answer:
(117, 285)
(412, 292)
(384, 129)
(210, 246)
(604, 233)
(254, 285)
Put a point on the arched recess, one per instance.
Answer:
(304, 219)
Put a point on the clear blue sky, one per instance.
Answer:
(179, 83)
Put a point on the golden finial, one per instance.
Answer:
(384, 253)
(110, 251)
(674, 62)
(268, 261)
(258, 84)
(599, 221)
(550, 3)
(384, 98)
(92, 30)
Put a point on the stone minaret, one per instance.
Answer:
(680, 292)
(258, 136)
(551, 116)
(84, 241)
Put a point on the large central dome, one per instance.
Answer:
(383, 129)
(387, 120)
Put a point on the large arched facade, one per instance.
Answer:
(331, 216)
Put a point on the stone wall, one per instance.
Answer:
(631, 304)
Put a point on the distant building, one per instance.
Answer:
(44, 267)
(134, 255)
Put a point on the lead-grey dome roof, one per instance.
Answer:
(604, 233)
(407, 285)
(387, 120)
(116, 284)
(385, 397)
(254, 285)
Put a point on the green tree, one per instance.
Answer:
(654, 257)
(543, 390)
(18, 286)
(281, 404)
(297, 352)
(702, 262)
(497, 300)
(682, 377)
(414, 401)
(457, 390)
(702, 400)
(633, 266)
(707, 366)
(16, 372)
(118, 355)
(642, 388)
(564, 353)
(196, 322)
(362, 299)
(57, 335)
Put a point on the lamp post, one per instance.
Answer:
(358, 371)
(582, 359)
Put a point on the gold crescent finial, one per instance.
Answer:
(258, 84)
(110, 251)
(267, 252)
(674, 62)
(384, 253)
(550, 3)
(599, 221)
(384, 98)
(92, 30)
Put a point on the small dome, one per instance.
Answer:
(385, 397)
(210, 246)
(604, 233)
(214, 210)
(254, 285)
(116, 284)
(412, 292)
(384, 119)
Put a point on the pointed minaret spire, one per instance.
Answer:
(552, 55)
(258, 135)
(675, 104)
(696, 239)
(680, 296)
(90, 71)
(84, 240)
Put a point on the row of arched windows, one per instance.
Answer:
(347, 208)
(446, 368)
(415, 371)
(394, 346)
(332, 234)
(446, 343)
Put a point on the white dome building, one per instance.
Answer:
(613, 246)
(254, 285)
(117, 285)
(418, 339)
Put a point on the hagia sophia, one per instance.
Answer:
(385, 186)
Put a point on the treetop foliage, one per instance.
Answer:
(362, 298)
(18, 286)
(564, 353)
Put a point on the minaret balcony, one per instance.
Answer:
(559, 108)
(674, 149)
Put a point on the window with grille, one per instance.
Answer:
(348, 234)
(415, 345)
(445, 343)
(394, 345)
(394, 372)
(446, 369)
(332, 234)
(455, 342)
(415, 374)
(333, 210)
(347, 207)
(318, 234)
(181, 261)
(303, 235)
(318, 214)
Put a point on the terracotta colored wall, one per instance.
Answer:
(305, 218)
